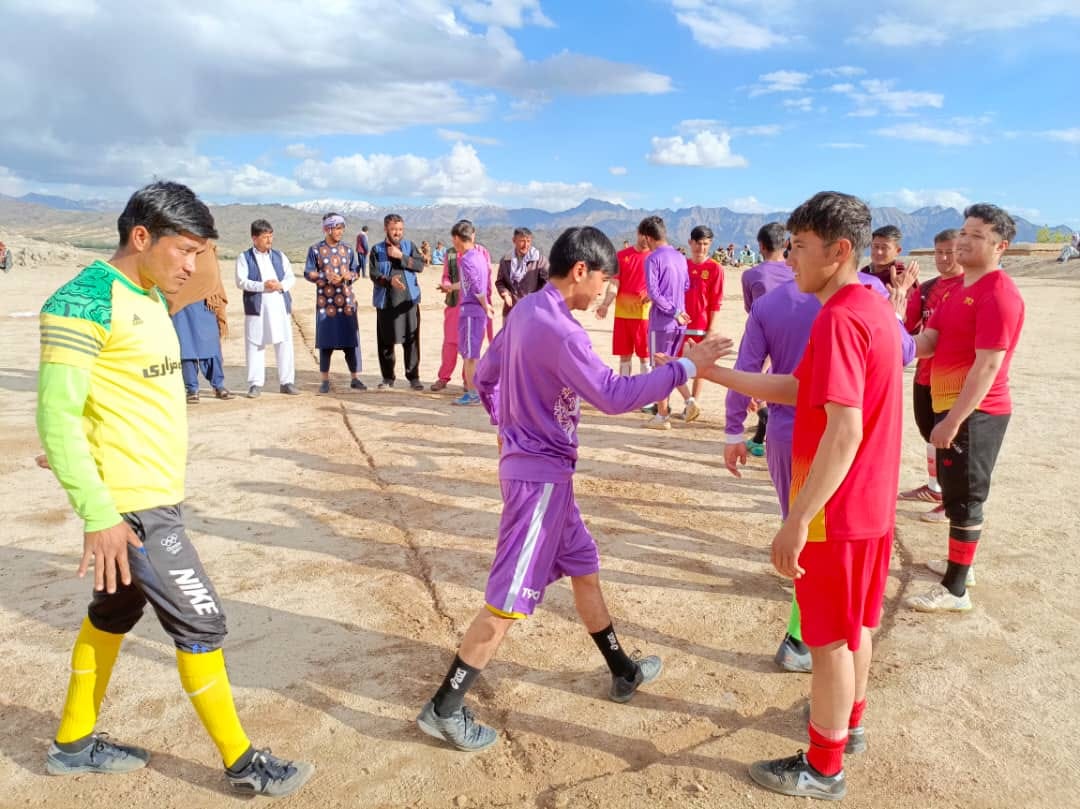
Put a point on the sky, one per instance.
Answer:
(754, 105)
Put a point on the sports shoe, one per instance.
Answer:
(356, 384)
(289, 389)
(254, 392)
(439, 384)
(223, 393)
(324, 386)
(935, 515)
(691, 412)
(658, 422)
(939, 566)
(459, 729)
(923, 493)
(856, 741)
(386, 383)
(269, 775)
(795, 776)
(99, 755)
(754, 448)
(793, 656)
(416, 384)
(939, 599)
(648, 669)
(468, 398)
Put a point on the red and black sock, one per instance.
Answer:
(963, 542)
(826, 755)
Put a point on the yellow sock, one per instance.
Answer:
(91, 666)
(207, 685)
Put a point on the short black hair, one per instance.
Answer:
(653, 227)
(831, 215)
(947, 235)
(166, 209)
(464, 230)
(391, 217)
(363, 229)
(890, 232)
(522, 232)
(701, 232)
(261, 226)
(771, 236)
(997, 218)
(586, 244)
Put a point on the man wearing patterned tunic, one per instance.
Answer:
(332, 266)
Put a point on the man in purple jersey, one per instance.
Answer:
(778, 329)
(533, 396)
(475, 311)
(667, 280)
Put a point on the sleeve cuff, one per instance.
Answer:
(691, 369)
(733, 439)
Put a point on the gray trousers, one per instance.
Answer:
(167, 573)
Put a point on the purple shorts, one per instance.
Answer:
(541, 539)
(665, 342)
(471, 330)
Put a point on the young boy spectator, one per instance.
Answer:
(703, 300)
(534, 398)
(630, 333)
(837, 539)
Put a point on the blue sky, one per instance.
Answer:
(654, 103)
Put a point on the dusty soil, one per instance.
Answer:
(350, 534)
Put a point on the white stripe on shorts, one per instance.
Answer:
(527, 550)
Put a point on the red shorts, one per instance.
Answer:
(843, 589)
(630, 337)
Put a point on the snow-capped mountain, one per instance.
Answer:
(349, 207)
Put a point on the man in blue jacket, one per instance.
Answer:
(394, 263)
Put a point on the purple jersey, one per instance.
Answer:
(779, 328)
(666, 279)
(763, 278)
(475, 274)
(533, 395)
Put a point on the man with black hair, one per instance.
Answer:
(112, 420)
(521, 272)
(534, 399)
(333, 267)
(394, 263)
(667, 280)
(971, 335)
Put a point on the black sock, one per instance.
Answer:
(955, 580)
(762, 423)
(76, 746)
(614, 656)
(241, 763)
(451, 693)
(798, 645)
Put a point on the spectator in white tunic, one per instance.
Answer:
(266, 277)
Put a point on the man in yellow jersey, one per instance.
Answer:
(113, 422)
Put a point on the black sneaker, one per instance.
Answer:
(266, 774)
(647, 670)
(416, 384)
(99, 755)
(356, 384)
(795, 776)
(324, 386)
(793, 655)
(386, 383)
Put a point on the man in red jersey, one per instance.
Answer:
(837, 539)
(627, 290)
(971, 335)
(703, 301)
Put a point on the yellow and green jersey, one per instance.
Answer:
(111, 411)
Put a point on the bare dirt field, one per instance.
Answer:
(349, 536)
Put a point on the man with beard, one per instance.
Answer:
(394, 263)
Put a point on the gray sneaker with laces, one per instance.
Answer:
(459, 729)
(99, 755)
(795, 776)
(266, 774)
(648, 669)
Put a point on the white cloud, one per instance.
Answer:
(692, 126)
(842, 88)
(506, 13)
(910, 200)
(780, 81)
(715, 24)
(843, 71)
(749, 204)
(804, 104)
(706, 149)
(927, 134)
(844, 145)
(465, 137)
(617, 171)
(301, 151)
(922, 22)
(894, 31)
(10, 183)
(874, 96)
(1063, 135)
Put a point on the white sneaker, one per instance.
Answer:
(940, 565)
(938, 599)
(658, 422)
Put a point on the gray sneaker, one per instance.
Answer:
(99, 755)
(790, 657)
(856, 740)
(648, 669)
(254, 391)
(289, 389)
(269, 775)
(459, 729)
(795, 776)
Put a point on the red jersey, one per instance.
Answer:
(705, 295)
(987, 314)
(632, 301)
(852, 359)
(929, 297)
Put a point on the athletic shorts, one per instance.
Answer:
(965, 469)
(842, 589)
(167, 573)
(471, 335)
(665, 342)
(630, 337)
(541, 539)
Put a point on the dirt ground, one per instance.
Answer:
(349, 536)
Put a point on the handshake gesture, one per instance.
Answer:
(705, 353)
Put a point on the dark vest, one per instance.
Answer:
(253, 300)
